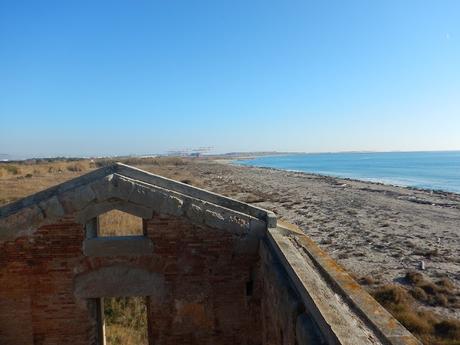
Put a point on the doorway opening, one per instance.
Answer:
(125, 321)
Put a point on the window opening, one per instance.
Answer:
(118, 223)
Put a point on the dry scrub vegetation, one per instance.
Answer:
(118, 223)
(408, 305)
(20, 179)
(426, 325)
(125, 321)
(126, 318)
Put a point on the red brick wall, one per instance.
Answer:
(206, 298)
(206, 280)
(36, 289)
(15, 294)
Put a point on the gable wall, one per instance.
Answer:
(203, 298)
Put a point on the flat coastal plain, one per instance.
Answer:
(378, 232)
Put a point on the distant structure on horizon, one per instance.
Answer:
(196, 152)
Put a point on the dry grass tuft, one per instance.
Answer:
(414, 322)
(76, 167)
(442, 293)
(414, 277)
(419, 294)
(449, 329)
(366, 280)
(392, 296)
(429, 327)
(446, 284)
(8, 169)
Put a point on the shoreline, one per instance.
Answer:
(383, 183)
(377, 231)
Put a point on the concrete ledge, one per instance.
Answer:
(118, 246)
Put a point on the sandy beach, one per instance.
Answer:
(377, 232)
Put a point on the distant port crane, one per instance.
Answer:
(194, 152)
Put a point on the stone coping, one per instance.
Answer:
(133, 191)
(143, 176)
(140, 198)
(297, 251)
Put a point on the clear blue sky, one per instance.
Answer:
(120, 77)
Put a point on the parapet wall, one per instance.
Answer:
(285, 319)
(327, 305)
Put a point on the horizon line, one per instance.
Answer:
(3, 156)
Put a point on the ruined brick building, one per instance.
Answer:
(213, 270)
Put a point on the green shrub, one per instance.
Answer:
(11, 169)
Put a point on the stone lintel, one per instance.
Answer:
(118, 246)
(119, 281)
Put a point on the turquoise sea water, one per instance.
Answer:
(428, 170)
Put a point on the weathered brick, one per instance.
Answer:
(205, 279)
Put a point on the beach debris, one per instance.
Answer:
(422, 265)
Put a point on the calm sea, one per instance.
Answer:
(429, 170)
